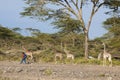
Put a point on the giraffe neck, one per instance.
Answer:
(104, 48)
(65, 50)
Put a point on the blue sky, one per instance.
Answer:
(10, 17)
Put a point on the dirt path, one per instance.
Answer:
(51, 71)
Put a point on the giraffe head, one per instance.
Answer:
(103, 43)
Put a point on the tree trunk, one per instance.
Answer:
(61, 45)
(73, 44)
(86, 45)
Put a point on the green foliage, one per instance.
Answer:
(116, 62)
(5, 32)
(12, 56)
(84, 61)
(2, 58)
(114, 3)
(102, 75)
(113, 26)
(68, 25)
(46, 56)
(48, 72)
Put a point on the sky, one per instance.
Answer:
(10, 17)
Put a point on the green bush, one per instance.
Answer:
(48, 72)
(116, 62)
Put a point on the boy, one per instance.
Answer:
(24, 56)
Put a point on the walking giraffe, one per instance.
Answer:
(68, 54)
(106, 56)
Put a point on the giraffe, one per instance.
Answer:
(28, 52)
(106, 56)
(99, 56)
(58, 55)
(68, 53)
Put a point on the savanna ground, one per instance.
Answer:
(12, 70)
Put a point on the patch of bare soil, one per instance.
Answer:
(51, 71)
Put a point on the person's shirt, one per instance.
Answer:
(24, 55)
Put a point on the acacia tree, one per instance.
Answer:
(45, 10)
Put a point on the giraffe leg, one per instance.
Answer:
(55, 60)
(72, 57)
(110, 60)
(111, 63)
(61, 59)
(105, 61)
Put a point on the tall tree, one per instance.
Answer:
(45, 10)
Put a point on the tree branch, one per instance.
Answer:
(75, 4)
(80, 14)
(69, 8)
(99, 7)
(81, 4)
(91, 16)
(68, 3)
